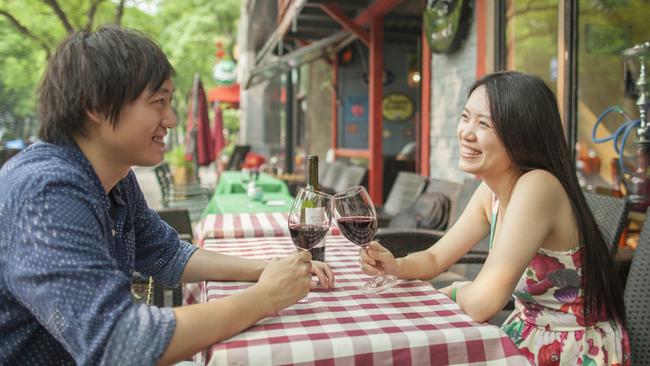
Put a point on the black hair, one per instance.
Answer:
(99, 71)
(527, 121)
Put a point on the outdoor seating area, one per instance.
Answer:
(311, 182)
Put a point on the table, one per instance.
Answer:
(246, 225)
(411, 323)
(241, 203)
(230, 182)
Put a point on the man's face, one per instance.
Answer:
(141, 128)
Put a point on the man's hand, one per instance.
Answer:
(324, 274)
(287, 280)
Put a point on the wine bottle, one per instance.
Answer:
(317, 252)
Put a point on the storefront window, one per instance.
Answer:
(531, 38)
(606, 28)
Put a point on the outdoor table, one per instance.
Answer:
(246, 225)
(241, 203)
(230, 182)
(411, 323)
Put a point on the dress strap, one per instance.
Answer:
(495, 213)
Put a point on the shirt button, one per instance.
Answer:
(113, 232)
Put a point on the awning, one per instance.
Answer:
(279, 65)
(224, 94)
(307, 23)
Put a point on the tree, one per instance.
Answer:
(31, 29)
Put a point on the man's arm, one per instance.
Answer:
(281, 284)
(207, 265)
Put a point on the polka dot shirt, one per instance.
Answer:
(68, 251)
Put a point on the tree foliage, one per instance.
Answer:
(30, 30)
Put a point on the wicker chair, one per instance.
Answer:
(331, 176)
(404, 241)
(238, 156)
(611, 216)
(406, 188)
(352, 175)
(153, 292)
(637, 299)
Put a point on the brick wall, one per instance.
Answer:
(451, 76)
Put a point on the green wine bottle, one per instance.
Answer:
(317, 252)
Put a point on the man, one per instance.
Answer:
(74, 225)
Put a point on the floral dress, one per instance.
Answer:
(547, 324)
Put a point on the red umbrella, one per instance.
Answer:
(199, 144)
(217, 130)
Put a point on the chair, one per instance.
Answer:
(406, 188)
(323, 167)
(153, 292)
(637, 299)
(611, 216)
(351, 176)
(193, 197)
(403, 241)
(332, 175)
(238, 156)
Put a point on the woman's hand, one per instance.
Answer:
(377, 260)
(324, 274)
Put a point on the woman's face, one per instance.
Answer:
(481, 151)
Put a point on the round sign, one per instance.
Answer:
(225, 72)
(397, 107)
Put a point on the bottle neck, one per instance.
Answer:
(312, 175)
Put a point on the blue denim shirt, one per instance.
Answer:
(67, 254)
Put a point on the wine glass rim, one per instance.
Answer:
(349, 191)
(316, 192)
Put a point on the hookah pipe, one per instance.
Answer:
(619, 137)
(637, 183)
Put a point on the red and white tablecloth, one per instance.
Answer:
(410, 324)
(245, 225)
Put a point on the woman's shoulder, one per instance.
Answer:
(539, 180)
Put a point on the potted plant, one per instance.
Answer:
(181, 168)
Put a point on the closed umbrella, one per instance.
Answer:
(217, 130)
(199, 144)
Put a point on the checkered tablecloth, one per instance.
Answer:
(410, 324)
(245, 225)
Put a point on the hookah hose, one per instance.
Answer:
(619, 136)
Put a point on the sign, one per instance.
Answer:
(225, 72)
(446, 23)
(397, 107)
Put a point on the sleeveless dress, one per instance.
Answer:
(547, 324)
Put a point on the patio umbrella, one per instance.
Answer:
(217, 130)
(199, 144)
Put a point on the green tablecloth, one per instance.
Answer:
(240, 203)
(230, 182)
(230, 195)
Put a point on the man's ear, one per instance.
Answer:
(95, 117)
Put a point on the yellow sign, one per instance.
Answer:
(397, 107)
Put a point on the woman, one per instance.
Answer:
(545, 247)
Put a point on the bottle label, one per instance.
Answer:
(314, 216)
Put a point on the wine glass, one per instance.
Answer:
(357, 220)
(309, 219)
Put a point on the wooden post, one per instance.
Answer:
(375, 120)
(425, 108)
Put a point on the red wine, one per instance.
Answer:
(358, 229)
(306, 236)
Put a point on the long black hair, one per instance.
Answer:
(527, 121)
